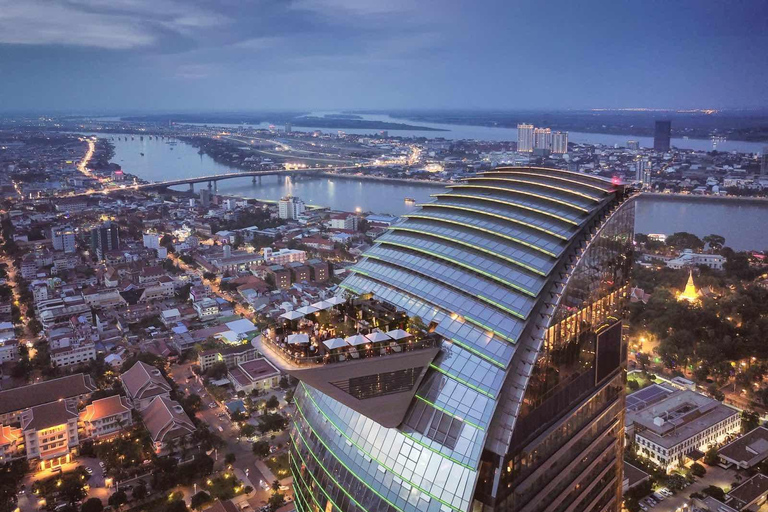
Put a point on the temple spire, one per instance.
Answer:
(691, 294)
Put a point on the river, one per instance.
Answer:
(459, 132)
(743, 224)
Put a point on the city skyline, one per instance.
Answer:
(91, 55)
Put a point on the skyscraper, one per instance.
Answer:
(288, 127)
(542, 138)
(764, 162)
(105, 238)
(523, 273)
(560, 142)
(633, 144)
(661, 135)
(525, 138)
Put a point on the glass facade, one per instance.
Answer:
(519, 264)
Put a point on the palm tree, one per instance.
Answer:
(276, 485)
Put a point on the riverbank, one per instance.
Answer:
(704, 198)
(385, 179)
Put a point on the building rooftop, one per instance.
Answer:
(748, 492)
(45, 392)
(49, 415)
(165, 419)
(259, 369)
(678, 417)
(143, 381)
(748, 450)
(105, 407)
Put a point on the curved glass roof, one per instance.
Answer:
(475, 261)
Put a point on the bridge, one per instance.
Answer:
(213, 179)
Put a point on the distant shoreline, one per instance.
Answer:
(686, 197)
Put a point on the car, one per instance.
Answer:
(643, 507)
(101, 464)
(212, 405)
(658, 496)
(665, 492)
(220, 429)
(88, 470)
(146, 462)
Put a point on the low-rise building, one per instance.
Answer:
(169, 426)
(747, 451)
(231, 355)
(207, 309)
(257, 374)
(50, 433)
(751, 495)
(143, 383)
(106, 416)
(11, 443)
(689, 258)
(668, 430)
(72, 390)
(74, 354)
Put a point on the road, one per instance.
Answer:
(214, 414)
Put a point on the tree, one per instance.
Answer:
(711, 458)
(633, 385)
(698, 470)
(272, 403)
(749, 421)
(193, 402)
(118, 499)
(200, 499)
(247, 430)
(683, 240)
(72, 489)
(140, 491)
(275, 485)
(261, 449)
(230, 458)
(177, 506)
(715, 242)
(289, 396)
(276, 501)
(715, 492)
(216, 371)
(92, 505)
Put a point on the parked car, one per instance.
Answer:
(88, 470)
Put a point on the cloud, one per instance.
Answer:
(257, 43)
(358, 7)
(109, 24)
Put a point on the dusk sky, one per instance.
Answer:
(194, 55)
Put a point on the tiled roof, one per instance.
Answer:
(144, 381)
(45, 392)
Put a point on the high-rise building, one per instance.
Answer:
(63, 238)
(542, 138)
(633, 145)
(560, 142)
(764, 162)
(290, 207)
(288, 127)
(105, 238)
(205, 197)
(643, 172)
(525, 138)
(661, 135)
(523, 273)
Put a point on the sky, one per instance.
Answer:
(119, 56)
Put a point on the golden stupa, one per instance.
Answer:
(690, 294)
